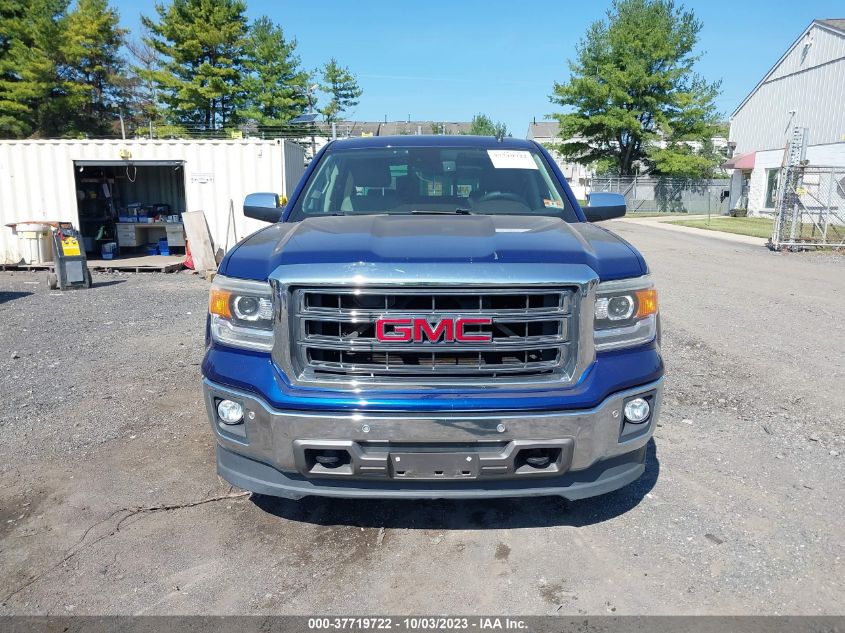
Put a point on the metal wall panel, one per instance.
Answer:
(819, 46)
(294, 165)
(37, 178)
(814, 89)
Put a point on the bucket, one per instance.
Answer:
(36, 242)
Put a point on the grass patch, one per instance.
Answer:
(755, 227)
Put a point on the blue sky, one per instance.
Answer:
(447, 61)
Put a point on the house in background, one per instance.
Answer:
(354, 129)
(805, 88)
(577, 175)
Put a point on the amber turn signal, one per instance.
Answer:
(647, 301)
(218, 303)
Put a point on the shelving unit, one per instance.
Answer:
(108, 193)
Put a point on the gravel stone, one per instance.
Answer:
(103, 414)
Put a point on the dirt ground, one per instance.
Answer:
(109, 501)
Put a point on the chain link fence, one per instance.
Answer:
(811, 208)
(648, 194)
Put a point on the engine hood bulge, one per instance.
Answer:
(436, 239)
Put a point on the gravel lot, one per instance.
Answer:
(739, 512)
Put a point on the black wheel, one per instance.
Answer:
(52, 281)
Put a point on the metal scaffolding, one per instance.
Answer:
(810, 201)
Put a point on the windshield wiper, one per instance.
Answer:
(458, 211)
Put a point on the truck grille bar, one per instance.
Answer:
(532, 334)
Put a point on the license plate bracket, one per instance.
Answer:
(434, 466)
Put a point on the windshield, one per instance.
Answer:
(405, 180)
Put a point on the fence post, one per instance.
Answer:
(827, 212)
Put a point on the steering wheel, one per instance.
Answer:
(502, 195)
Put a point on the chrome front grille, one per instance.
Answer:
(533, 334)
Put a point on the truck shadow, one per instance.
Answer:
(103, 284)
(491, 514)
(6, 296)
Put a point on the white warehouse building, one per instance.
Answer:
(805, 88)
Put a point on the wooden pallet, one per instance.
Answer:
(26, 266)
(146, 264)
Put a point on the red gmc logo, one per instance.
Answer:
(420, 330)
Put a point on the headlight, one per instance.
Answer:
(625, 313)
(241, 313)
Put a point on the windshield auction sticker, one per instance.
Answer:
(511, 159)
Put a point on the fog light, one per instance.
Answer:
(637, 411)
(230, 412)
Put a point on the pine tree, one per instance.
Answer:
(91, 68)
(275, 87)
(29, 35)
(141, 91)
(341, 86)
(201, 43)
(633, 97)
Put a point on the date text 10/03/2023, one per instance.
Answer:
(422, 623)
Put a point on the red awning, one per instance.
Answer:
(741, 161)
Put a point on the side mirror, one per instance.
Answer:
(263, 206)
(604, 206)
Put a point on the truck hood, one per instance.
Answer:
(443, 239)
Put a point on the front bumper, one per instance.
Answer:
(592, 451)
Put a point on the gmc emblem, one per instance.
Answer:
(419, 330)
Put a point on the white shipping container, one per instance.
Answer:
(37, 178)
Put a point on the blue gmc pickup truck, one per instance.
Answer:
(432, 317)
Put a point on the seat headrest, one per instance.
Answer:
(370, 173)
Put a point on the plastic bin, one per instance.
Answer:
(109, 250)
(152, 249)
(163, 247)
(36, 242)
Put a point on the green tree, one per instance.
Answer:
(687, 159)
(201, 43)
(29, 36)
(483, 125)
(341, 86)
(141, 91)
(91, 69)
(634, 99)
(275, 87)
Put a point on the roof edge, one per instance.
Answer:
(768, 74)
(830, 23)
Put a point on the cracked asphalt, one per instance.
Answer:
(109, 502)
